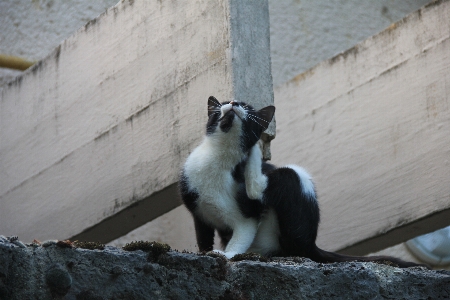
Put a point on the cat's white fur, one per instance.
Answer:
(305, 179)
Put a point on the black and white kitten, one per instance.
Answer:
(254, 206)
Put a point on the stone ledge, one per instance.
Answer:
(60, 270)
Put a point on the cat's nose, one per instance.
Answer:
(234, 103)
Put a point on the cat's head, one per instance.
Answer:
(237, 120)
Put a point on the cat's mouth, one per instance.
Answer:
(230, 109)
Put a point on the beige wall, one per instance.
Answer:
(303, 33)
(93, 136)
(176, 227)
(383, 124)
(80, 136)
(372, 126)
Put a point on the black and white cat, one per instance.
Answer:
(254, 206)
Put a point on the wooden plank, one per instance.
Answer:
(95, 134)
(372, 126)
(131, 217)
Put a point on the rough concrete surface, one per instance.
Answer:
(62, 271)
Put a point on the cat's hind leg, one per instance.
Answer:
(204, 234)
(266, 241)
(290, 192)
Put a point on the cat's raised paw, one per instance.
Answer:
(256, 187)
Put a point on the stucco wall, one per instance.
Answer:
(109, 117)
(303, 33)
(31, 29)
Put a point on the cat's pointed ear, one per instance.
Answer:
(213, 105)
(266, 115)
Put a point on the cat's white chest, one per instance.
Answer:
(213, 182)
(218, 208)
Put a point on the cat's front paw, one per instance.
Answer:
(256, 187)
(228, 255)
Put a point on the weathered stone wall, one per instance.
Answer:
(61, 271)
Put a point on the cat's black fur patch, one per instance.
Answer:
(189, 197)
(238, 172)
(249, 208)
(225, 236)
(227, 121)
(252, 132)
(204, 234)
(213, 115)
(211, 126)
(298, 213)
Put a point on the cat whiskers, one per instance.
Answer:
(214, 108)
(260, 119)
(255, 135)
(252, 118)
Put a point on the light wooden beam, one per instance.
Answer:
(93, 137)
(372, 125)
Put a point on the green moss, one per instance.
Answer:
(138, 245)
(249, 256)
(154, 247)
(89, 245)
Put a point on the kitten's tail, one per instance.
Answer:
(322, 256)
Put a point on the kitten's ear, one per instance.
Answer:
(213, 105)
(266, 115)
